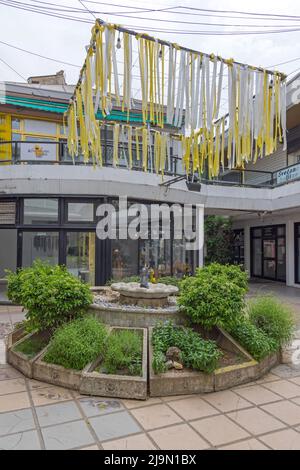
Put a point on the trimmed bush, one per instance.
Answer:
(196, 353)
(214, 296)
(51, 294)
(77, 343)
(273, 318)
(253, 339)
(124, 353)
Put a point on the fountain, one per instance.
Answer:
(155, 295)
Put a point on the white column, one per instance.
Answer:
(200, 232)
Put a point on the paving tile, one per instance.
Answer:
(288, 412)
(48, 395)
(57, 413)
(155, 416)
(258, 394)
(284, 388)
(288, 439)
(267, 378)
(256, 421)
(16, 421)
(36, 384)
(22, 441)
(114, 425)
(14, 401)
(180, 436)
(295, 380)
(193, 408)
(67, 436)
(93, 406)
(136, 442)
(248, 444)
(285, 371)
(12, 386)
(296, 400)
(227, 401)
(219, 430)
(9, 373)
(130, 404)
(89, 448)
(176, 397)
(2, 352)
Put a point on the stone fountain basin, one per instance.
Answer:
(154, 291)
(156, 295)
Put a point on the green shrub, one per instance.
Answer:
(196, 353)
(51, 294)
(219, 238)
(273, 318)
(214, 296)
(124, 353)
(253, 339)
(77, 343)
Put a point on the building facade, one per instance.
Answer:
(48, 205)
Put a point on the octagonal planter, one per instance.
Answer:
(119, 386)
(21, 361)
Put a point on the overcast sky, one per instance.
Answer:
(65, 40)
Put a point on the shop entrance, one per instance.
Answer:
(268, 252)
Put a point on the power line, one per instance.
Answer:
(86, 8)
(14, 70)
(26, 7)
(39, 55)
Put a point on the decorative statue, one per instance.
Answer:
(152, 276)
(145, 277)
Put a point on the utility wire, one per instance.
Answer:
(14, 70)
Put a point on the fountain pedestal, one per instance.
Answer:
(155, 296)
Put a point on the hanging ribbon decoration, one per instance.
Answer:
(180, 88)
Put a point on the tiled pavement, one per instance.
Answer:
(263, 415)
(34, 415)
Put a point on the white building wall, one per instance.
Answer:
(275, 219)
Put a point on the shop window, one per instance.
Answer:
(80, 212)
(40, 245)
(40, 211)
(39, 127)
(125, 255)
(80, 255)
(8, 251)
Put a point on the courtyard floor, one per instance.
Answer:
(262, 415)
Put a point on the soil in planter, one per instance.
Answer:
(230, 359)
(124, 354)
(30, 347)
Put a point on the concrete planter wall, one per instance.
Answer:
(15, 336)
(56, 375)
(120, 386)
(189, 382)
(19, 360)
(115, 316)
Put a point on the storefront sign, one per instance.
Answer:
(288, 174)
(38, 151)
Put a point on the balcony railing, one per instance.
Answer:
(37, 152)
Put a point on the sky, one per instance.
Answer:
(65, 40)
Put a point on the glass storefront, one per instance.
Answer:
(63, 230)
(268, 252)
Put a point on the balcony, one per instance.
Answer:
(47, 152)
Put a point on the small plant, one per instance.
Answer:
(32, 346)
(124, 353)
(196, 353)
(273, 318)
(77, 343)
(253, 339)
(51, 295)
(214, 296)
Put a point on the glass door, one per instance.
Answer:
(268, 252)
